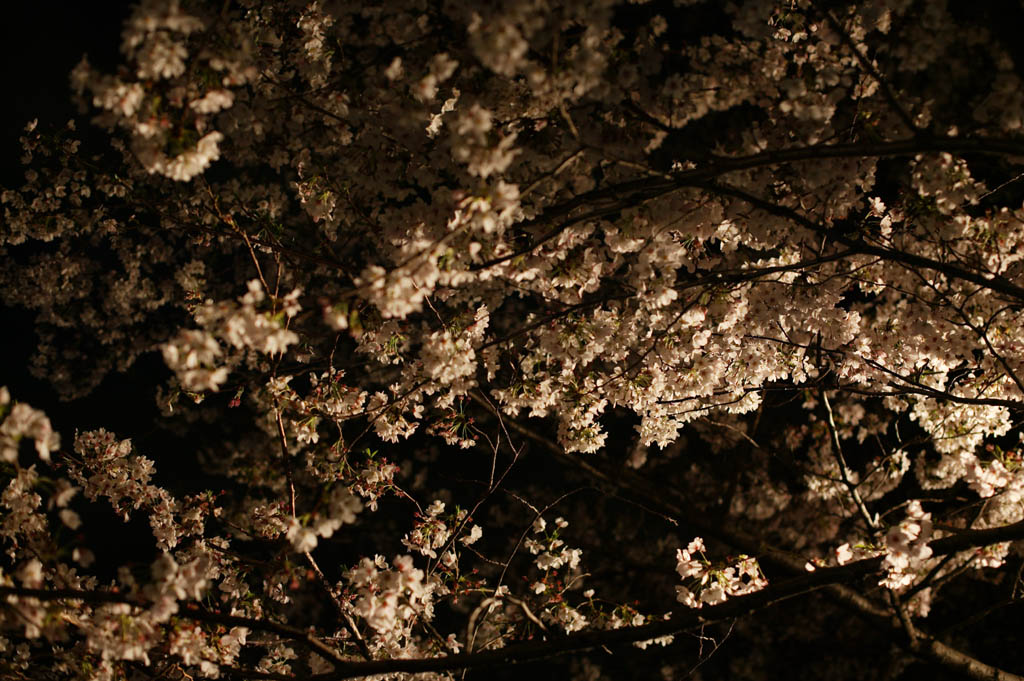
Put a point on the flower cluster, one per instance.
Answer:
(194, 353)
(906, 547)
(20, 421)
(709, 583)
(110, 468)
(391, 599)
(552, 553)
(340, 509)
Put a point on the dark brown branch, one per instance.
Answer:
(101, 597)
(937, 651)
(518, 653)
(346, 619)
(829, 579)
(985, 280)
(735, 607)
(636, 192)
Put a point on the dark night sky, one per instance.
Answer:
(40, 43)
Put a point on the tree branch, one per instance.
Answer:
(101, 597)
(636, 192)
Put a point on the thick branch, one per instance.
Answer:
(101, 597)
(985, 280)
(636, 192)
(736, 607)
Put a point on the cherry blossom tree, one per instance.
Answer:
(673, 336)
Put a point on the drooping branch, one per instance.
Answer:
(668, 502)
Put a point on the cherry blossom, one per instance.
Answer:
(523, 296)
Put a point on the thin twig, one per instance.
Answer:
(346, 618)
(286, 457)
(844, 471)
